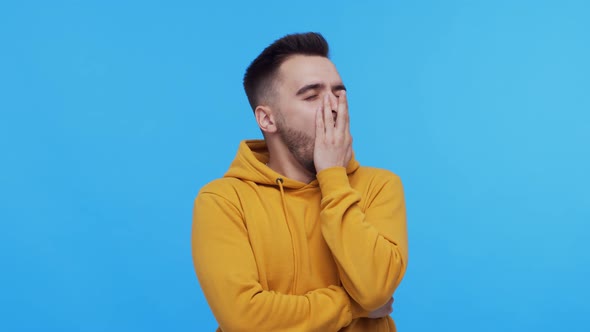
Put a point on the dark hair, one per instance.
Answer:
(259, 76)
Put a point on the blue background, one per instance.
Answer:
(114, 114)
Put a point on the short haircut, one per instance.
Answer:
(260, 75)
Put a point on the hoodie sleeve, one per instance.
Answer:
(370, 247)
(226, 269)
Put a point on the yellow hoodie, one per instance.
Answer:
(276, 254)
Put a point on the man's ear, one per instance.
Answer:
(266, 119)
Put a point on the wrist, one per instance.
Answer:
(319, 169)
(332, 178)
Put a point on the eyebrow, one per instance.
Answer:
(318, 86)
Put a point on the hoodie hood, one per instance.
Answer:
(250, 165)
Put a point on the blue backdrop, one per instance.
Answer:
(115, 113)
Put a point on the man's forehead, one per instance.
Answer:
(301, 70)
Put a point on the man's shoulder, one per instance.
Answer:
(373, 182)
(375, 174)
(226, 187)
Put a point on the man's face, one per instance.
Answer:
(302, 82)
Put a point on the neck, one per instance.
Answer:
(282, 161)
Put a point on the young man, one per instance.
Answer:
(297, 236)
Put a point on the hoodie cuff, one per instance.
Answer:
(332, 179)
(357, 311)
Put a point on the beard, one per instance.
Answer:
(300, 145)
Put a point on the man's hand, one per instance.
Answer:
(333, 143)
(385, 310)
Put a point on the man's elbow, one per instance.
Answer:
(373, 300)
(377, 295)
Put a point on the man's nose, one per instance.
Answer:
(333, 101)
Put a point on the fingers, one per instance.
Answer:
(349, 153)
(342, 121)
(328, 119)
(320, 130)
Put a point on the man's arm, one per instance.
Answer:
(227, 272)
(370, 248)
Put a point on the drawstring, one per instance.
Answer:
(279, 181)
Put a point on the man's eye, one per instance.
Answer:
(311, 97)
